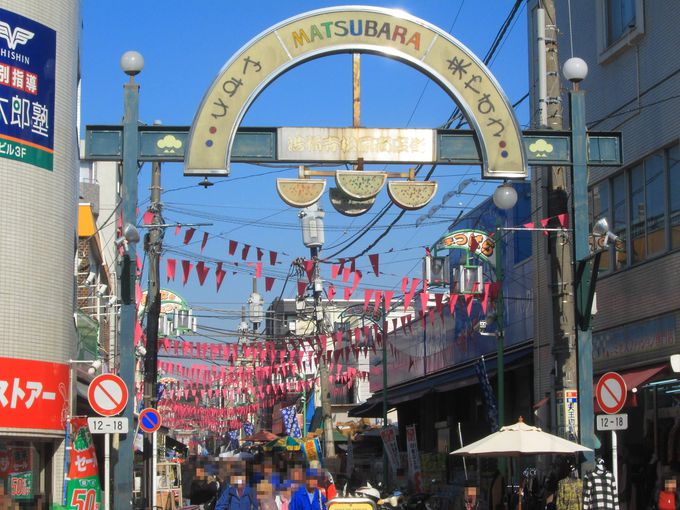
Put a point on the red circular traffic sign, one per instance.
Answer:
(149, 420)
(611, 392)
(107, 394)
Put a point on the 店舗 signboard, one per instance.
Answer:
(27, 86)
(33, 394)
(328, 31)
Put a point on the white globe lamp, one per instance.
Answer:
(505, 196)
(132, 63)
(575, 69)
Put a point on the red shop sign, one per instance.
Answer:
(33, 394)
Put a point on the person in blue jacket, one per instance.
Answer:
(309, 497)
(238, 496)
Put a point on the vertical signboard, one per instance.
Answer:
(83, 490)
(27, 87)
(567, 414)
(413, 457)
(389, 438)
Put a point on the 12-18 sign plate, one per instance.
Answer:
(612, 421)
(108, 425)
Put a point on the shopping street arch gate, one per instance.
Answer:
(214, 139)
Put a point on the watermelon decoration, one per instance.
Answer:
(300, 192)
(411, 195)
(358, 184)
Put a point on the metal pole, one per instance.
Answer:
(107, 471)
(500, 337)
(615, 459)
(153, 315)
(384, 388)
(124, 468)
(304, 412)
(581, 253)
(326, 411)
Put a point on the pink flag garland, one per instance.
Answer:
(272, 258)
(244, 251)
(374, 258)
(268, 283)
(219, 275)
(331, 291)
(186, 269)
(368, 294)
(171, 266)
(188, 235)
(204, 241)
(202, 272)
(232, 247)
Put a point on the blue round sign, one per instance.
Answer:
(149, 420)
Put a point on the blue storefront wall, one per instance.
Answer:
(443, 341)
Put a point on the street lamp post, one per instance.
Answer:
(384, 378)
(575, 70)
(132, 63)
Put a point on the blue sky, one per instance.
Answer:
(186, 43)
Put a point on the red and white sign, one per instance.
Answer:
(33, 394)
(107, 394)
(611, 392)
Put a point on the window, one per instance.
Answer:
(644, 207)
(620, 18)
(620, 23)
(674, 201)
(619, 216)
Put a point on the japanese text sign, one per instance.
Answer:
(389, 437)
(27, 85)
(33, 394)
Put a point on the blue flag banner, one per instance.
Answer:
(248, 429)
(232, 439)
(290, 421)
(487, 392)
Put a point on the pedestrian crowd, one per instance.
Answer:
(237, 485)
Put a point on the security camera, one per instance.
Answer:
(90, 278)
(101, 290)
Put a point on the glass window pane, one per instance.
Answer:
(620, 16)
(600, 209)
(655, 204)
(674, 187)
(619, 218)
(637, 214)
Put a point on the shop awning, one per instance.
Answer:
(636, 378)
(369, 409)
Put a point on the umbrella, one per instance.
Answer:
(283, 443)
(263, 436)
(519, 439)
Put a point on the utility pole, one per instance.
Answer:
(153, 247)
(559, 246)
(311, 220)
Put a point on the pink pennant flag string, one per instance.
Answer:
(259, 254)
(202, 271)
(272, 258)
(268, 283)
(244, 251)
(147, 219)
(331, 291)
(186, 269)
(171, 265)
(178, 229)
(188, 235)
(232, 247)
(368, 294)
(374, 258)
(219, 275)
(334, 271)
(204, 241)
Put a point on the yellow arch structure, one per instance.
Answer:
(386, 32)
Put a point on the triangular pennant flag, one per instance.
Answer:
(563, 219)
(186, 269)
(147, 219)
(353, 265)
(368, 294)
(334, 271)
(202, 272)
(529, 225)
(219, 275)
(331, 291)
(272, 258)
(302, 286)
(178, 229)
(468, 302)
(544, 224)
(244, 251)
(232, 247)
(485, 298)
(259, 254)
(452, 302)
(474, 244)
(388, 295)
(171, 265)
(374, 258)
(424, 297)
(404, 284)
(309, 269)
(356, 280)
(377, 300)
(268, 283)
(188, 235)
(348, 293)
(345, 275)
(204, 241)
